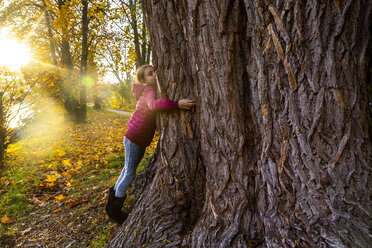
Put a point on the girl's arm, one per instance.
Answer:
(158, 104)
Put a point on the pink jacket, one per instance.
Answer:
(141, 126)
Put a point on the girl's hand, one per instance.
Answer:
(186, 104)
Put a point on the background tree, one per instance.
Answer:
(127, 48)
(17, 100)
(84, 63)
(134, 16)
(66, 37)
(277, 152)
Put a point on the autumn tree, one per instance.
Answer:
(17, 100)
(127, 48)
(277, 152)
(133, 15)
(65, 36)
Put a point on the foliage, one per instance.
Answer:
(117, 39)
(49, 163)
(127, 47)
(16, 99)
(122, 97)
(63, 169)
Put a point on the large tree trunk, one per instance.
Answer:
(277, 152)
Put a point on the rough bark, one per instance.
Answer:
(277, 152)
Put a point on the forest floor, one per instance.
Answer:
(54, 187)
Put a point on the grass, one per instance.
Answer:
(87, 159)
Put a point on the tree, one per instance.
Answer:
(84, 63)
(128, 45)
(141, 47)
(17, 100)
(277, 152)
(66, 38)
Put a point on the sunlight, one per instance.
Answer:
(17, 113)
(12, 53)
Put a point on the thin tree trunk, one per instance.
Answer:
(144, 40)
(50, 35)
(84, 65)
(2, 131)
(133, 20)
(71, 103)
(277, 152)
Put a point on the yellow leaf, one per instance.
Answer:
(6, 220)
(67, 162)
(69, 182)
(57, 210)
(59, 197)
(50, 184)
(51, 179)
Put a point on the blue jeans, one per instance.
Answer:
(133, 156)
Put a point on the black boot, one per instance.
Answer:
(113, 207)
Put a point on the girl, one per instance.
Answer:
(139, 134)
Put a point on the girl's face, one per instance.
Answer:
(150, 76)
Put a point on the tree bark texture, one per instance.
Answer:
(277, 152)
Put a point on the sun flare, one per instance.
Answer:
(12, 53)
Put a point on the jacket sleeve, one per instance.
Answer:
(158, 104)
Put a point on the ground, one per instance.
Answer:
(54, 187)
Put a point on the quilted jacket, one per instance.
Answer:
(142, 124)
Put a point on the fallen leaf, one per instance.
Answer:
(78, 186)
(59, 197)
(67, 162)
(26, 231)
(34, 200)
(51, 178)
(45, 197)
(57, 210)
(6, 220)
(73, 203)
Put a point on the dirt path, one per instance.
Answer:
(119, 111)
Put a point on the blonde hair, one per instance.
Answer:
(140, 74)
